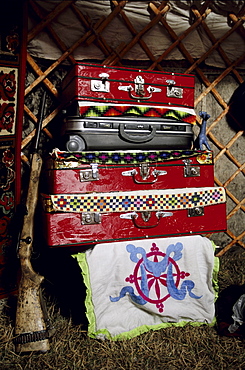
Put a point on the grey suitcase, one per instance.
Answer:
(116, 133)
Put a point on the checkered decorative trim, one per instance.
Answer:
(173, 199)
(131, 157)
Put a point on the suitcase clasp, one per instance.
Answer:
(102, 85)
(90, 218)
(144, 174)
(174, 92)
(196, 212)
(139, 86)
(190, 171)
(144, 170)
(146, 216)
(89, 174)
(140, 89)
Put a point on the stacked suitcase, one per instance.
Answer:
(126, 168)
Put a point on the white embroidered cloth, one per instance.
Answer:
(136, 286)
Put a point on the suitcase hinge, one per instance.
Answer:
(195, 212)
(190, 171)
(156, 173)
(90, 174)
(144, 214)
(128, 216)
(174, 92)
(129, 173)
(102, 85)
(90, 218)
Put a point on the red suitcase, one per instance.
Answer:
(86, 172)
(77, 220)
(96, 90)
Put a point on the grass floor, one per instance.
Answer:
(170, 349)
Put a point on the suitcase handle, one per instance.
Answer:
(151, 179)
(135, 138)
(145, 216)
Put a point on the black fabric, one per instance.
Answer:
(224, 310)
(236, 116)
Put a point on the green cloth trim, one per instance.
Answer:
(215, 274)
(104, 333)
(81, 259)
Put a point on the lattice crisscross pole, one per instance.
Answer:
(241, 169)
(177, 39)
(188, 56)
(50, 30)
(225, 149)
(235, 240)
(45, 22)
(142, 43)
(232, 177)
(217, 46)
(216, 43)
(60, 7)
(99, 41)
(230, 68)
(232, 197)
(115, 58)
(89, 37)
(212, 38)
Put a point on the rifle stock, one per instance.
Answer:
(31, 333)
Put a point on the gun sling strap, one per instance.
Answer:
(31, 337)
(39, 335)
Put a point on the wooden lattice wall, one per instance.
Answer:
(211, 91)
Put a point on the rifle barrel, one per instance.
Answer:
(39, 124)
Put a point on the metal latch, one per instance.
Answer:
(190, 171)
(174, 92)
(102, 85)
(195, 212)
(130, 172)
(90, 174)
(139, 89)
(128, 216)
(144, 170)
(139, 85)
(145, 215)
(90, 218)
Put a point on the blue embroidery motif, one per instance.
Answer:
(154, 273)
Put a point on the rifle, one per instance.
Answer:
(31, 325)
